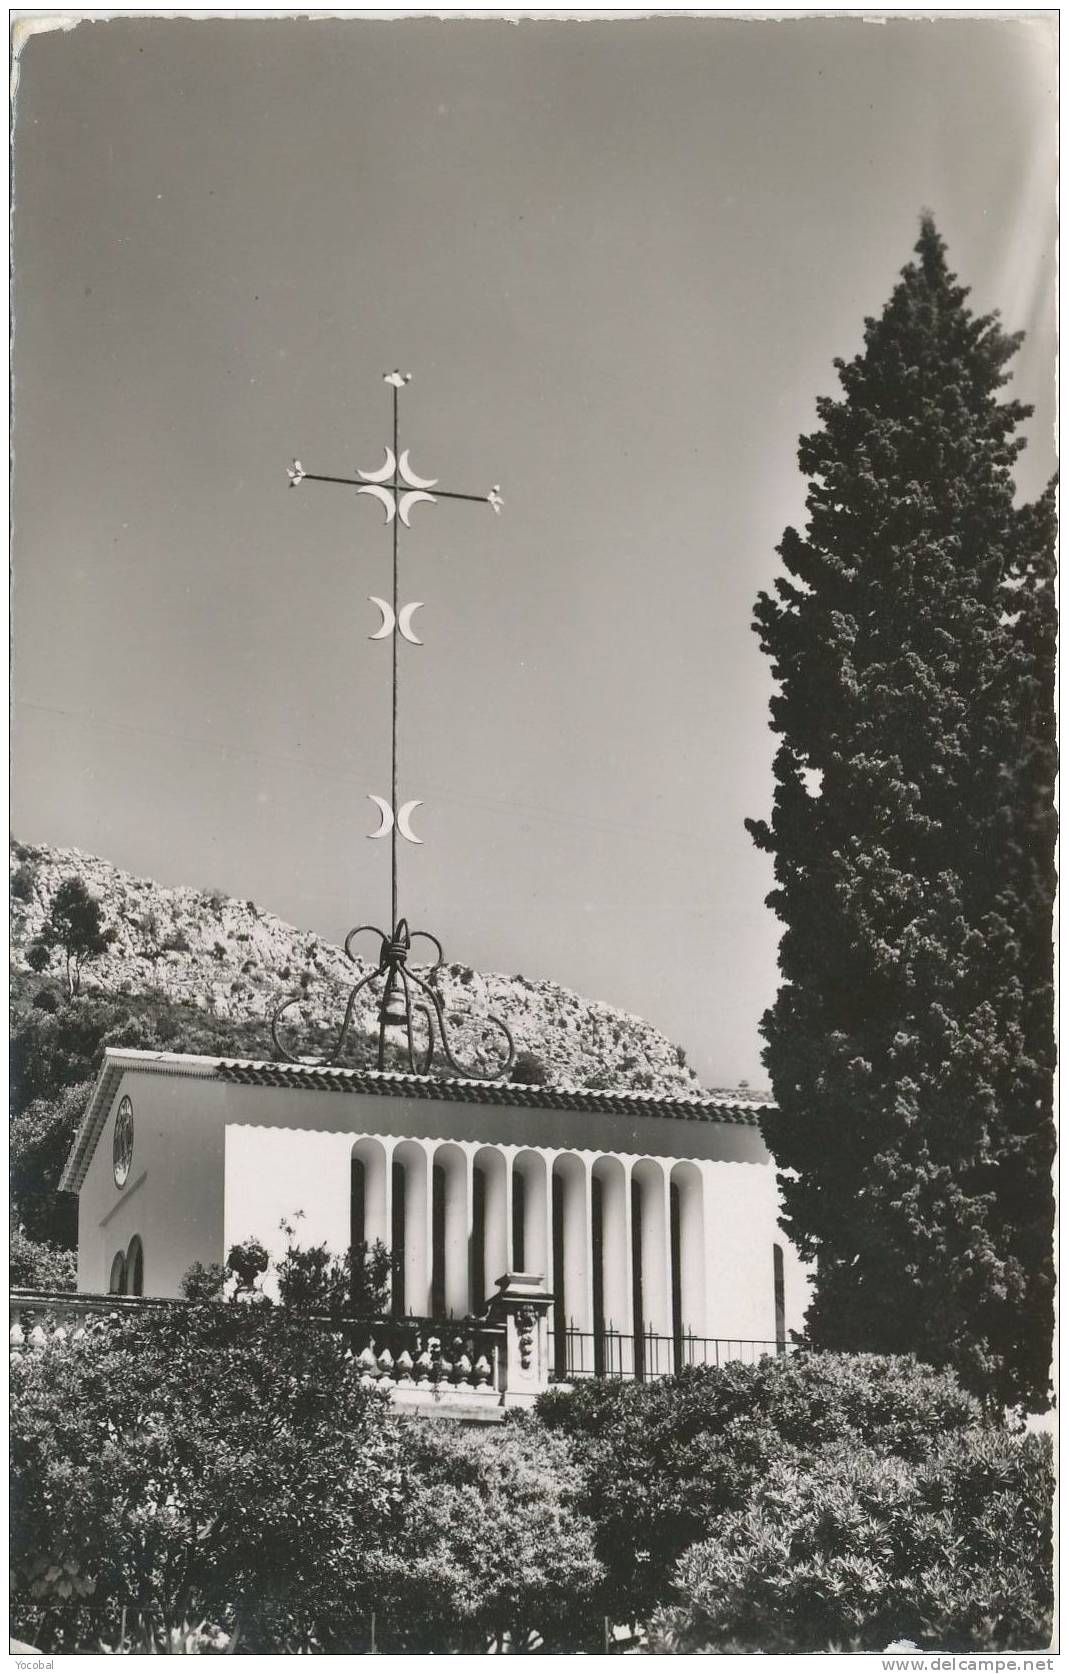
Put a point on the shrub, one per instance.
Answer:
(663, 1461)
(40, 1266)
(353, 1286)
(864, 1549)
(529, 1070)
(40, 1139)
(46, 999)
(211, 1463)
(493, 1548)
(22, 882)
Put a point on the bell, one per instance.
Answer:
(394, 1009)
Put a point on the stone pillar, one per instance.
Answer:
(575, 1211)
(413, 1158)
(495, 1252)
(616, 1286)
(538, 1217)
(686, 1177)
(456, 1166)
(522, 1305)
(655, 1254)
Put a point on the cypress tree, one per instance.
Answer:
(910, 1046)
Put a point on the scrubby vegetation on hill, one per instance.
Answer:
(234, 962)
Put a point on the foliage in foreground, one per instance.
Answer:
(911, 1044)
(215, 1462)
(197, 1474)
(662, 1463)
(863, 1550)
(494, 1550)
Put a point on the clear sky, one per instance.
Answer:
(618, 258)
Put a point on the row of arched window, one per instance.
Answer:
(128, 1271)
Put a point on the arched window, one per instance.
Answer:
(397, 1236)
(135, 1268)
(438, 1241)
(519, 1221)
(117, 1282)
(357, 1202)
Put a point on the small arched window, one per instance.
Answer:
(135, 1268)
(117, 1282)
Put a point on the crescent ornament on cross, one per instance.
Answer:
(404, 816)
(405, 470)
(387, 816)
(388, 620)
(410, 500)
(385, 498)
(384, 473)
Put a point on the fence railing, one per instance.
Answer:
(407, 1353)
(428, 1355)
(648, 1354)
(509, 1356)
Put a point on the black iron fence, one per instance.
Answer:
(648, 1354)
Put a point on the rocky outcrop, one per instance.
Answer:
(234, 960)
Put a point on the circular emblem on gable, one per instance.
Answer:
(122, 1150)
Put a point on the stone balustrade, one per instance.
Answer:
(463, 1368)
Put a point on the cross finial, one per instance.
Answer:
(398, 489)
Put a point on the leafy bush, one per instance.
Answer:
(529, 1070)
(353, 1286)
(494, 1550)
(215, 1463)
(863, 1549)
(22, 882)
(39, 1143)
(40, 1266)
(664, 1461)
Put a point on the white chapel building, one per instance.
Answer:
(647, 1223)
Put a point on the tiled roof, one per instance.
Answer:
(699, 1107)
(739, 1106)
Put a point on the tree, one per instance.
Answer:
(663, 1462)
(910, 1045)
(74, 925)
(40, 1140)
(863, 1550)
(217, 1462)
(494, 1554)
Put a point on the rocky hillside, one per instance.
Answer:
(233, 960)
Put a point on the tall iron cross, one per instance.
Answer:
(398, 490)
(408, 997)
